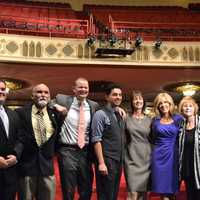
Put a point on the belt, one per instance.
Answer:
(74, 147)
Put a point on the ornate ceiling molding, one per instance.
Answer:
(34, 49)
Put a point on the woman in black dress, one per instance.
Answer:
(189, 147)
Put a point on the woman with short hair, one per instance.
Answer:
(138, 149)
(189, 142)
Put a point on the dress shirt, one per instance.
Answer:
(4, 118)
(48, 124)
(99, 123)
(69, 129)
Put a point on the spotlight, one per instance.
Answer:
(158, 44)
(91, 40)
(112, 40)
(138, 41)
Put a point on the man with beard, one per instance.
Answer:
(10, 148)
(40, 128)
(108, 138)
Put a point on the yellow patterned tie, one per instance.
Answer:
(41, 127)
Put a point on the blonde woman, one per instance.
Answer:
(138, 149)
(164, 161)
(189, 142)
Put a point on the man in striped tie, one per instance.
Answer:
(39, 127)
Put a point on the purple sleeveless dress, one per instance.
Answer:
(164, 160)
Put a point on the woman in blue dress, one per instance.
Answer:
(164, 160)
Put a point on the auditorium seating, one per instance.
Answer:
(57, 19)
(175, 21)
(41, 18)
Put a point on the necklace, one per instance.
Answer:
(166, 120)
(138, 117)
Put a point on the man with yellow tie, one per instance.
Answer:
(74, 161)
(40, 125)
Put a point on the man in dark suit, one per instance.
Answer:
(10, 148)
(74, 161)
(40, 128)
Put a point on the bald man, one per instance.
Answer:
(74, 158)
(40, 127)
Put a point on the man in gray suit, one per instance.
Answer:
(74, 153)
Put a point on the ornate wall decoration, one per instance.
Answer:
(51, 49)
(158, 53)
(191, 54)
(173, 53)
(38, 49)
(197, 54)
(184, 54)
(63, 50)
(12, 47)
(68, 50)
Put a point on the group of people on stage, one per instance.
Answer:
(156, 153)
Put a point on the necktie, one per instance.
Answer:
(81, 127)
(118, 117)
(41, 127)
(4, 119)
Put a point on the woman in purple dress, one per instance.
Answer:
(164, 160)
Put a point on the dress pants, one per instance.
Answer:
(75, 172)
(108, 185)
(37, 188)
(8, 185)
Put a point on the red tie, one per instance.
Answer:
(81, 127)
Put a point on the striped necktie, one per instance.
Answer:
(81, 127)
(41, 128)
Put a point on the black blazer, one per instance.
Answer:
(35, 160)
(11, 144)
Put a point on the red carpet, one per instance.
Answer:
(122, 191)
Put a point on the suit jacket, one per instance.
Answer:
(35, 160)
(11, 144)
(66, 101)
